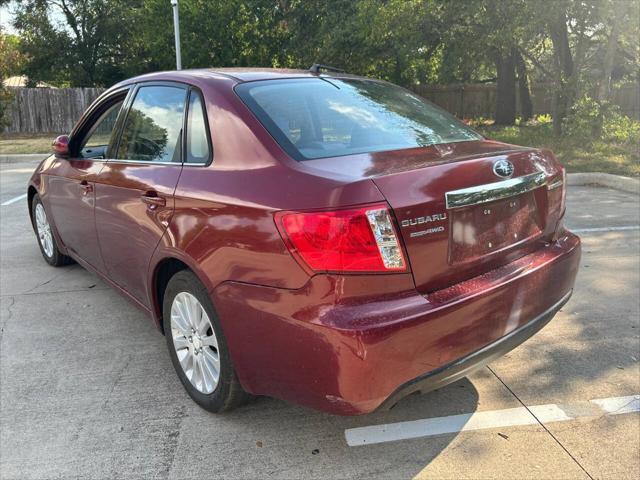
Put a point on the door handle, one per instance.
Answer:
(86, 187)
(153, 200)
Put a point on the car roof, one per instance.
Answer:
(238, 74)
(251, 74)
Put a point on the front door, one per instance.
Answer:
(71, 187)
(134, 191)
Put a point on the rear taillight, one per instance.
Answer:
(352, 240)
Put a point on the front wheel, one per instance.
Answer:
(46, 240)
(197, 345)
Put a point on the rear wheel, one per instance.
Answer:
(197, 345)
(46, 240)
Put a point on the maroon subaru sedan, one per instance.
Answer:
(330, 240)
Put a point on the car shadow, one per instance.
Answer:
(289, 441)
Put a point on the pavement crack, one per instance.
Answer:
(174, 441)
(29, 293)
(119, 376)
(541, 424)
(42, 284)
(9, 316)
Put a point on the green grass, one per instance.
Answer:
(13, 144)
(576, 154)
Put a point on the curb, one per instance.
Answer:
(17, 158)
(617, 182)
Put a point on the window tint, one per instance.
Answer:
(100, 135)
(153, 127)
(197, 135)
(328, 117)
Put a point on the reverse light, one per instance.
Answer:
(350, 240)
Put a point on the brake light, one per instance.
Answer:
(351, 240)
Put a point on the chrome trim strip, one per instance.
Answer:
(494, 191)
(143, 162)
(555, 185)
(136, 162)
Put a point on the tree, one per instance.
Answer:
(580, 46)
(506, 87)
(505, 30)
(11, 61)
(86, 50)
(621, 21)
(214, 33)
(565, 68)
(526, 105)
(576, 38)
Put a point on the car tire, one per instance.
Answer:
(194, 349)
(46, 240)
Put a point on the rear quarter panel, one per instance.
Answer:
(223, 225)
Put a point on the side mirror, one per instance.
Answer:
(60, 146)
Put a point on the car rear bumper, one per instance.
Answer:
(352, 344)
(464, 366)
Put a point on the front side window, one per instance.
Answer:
(197, 136)
(100, 136)
(153, 128)
(328, 117)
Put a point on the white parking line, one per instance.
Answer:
(605, 229)
(15, 199)
(491, 419)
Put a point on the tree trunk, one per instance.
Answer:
(604, 90)
(505, 89)
(565, 78)
(526, 106)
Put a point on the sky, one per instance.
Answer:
(6, 19)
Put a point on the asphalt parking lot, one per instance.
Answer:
(87, 388)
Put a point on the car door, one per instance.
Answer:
(134, 192)
(71, 187)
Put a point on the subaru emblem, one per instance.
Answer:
(503, 168)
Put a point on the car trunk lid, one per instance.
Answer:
(459, 218)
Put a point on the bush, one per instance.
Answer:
(585, 119)
(544, 118)
(621, 129)
(590, 120)
(615, 150)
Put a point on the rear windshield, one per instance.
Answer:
(328, 117)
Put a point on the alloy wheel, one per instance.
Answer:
(44, 231)
(195, 342)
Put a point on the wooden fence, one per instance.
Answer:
(52, 110)
(479, 100)
(48, 110)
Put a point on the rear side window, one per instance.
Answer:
(153, 128)
(198, 150)
(328, 117)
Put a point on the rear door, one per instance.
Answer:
(134, 191)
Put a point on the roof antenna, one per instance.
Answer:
(317, 68)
